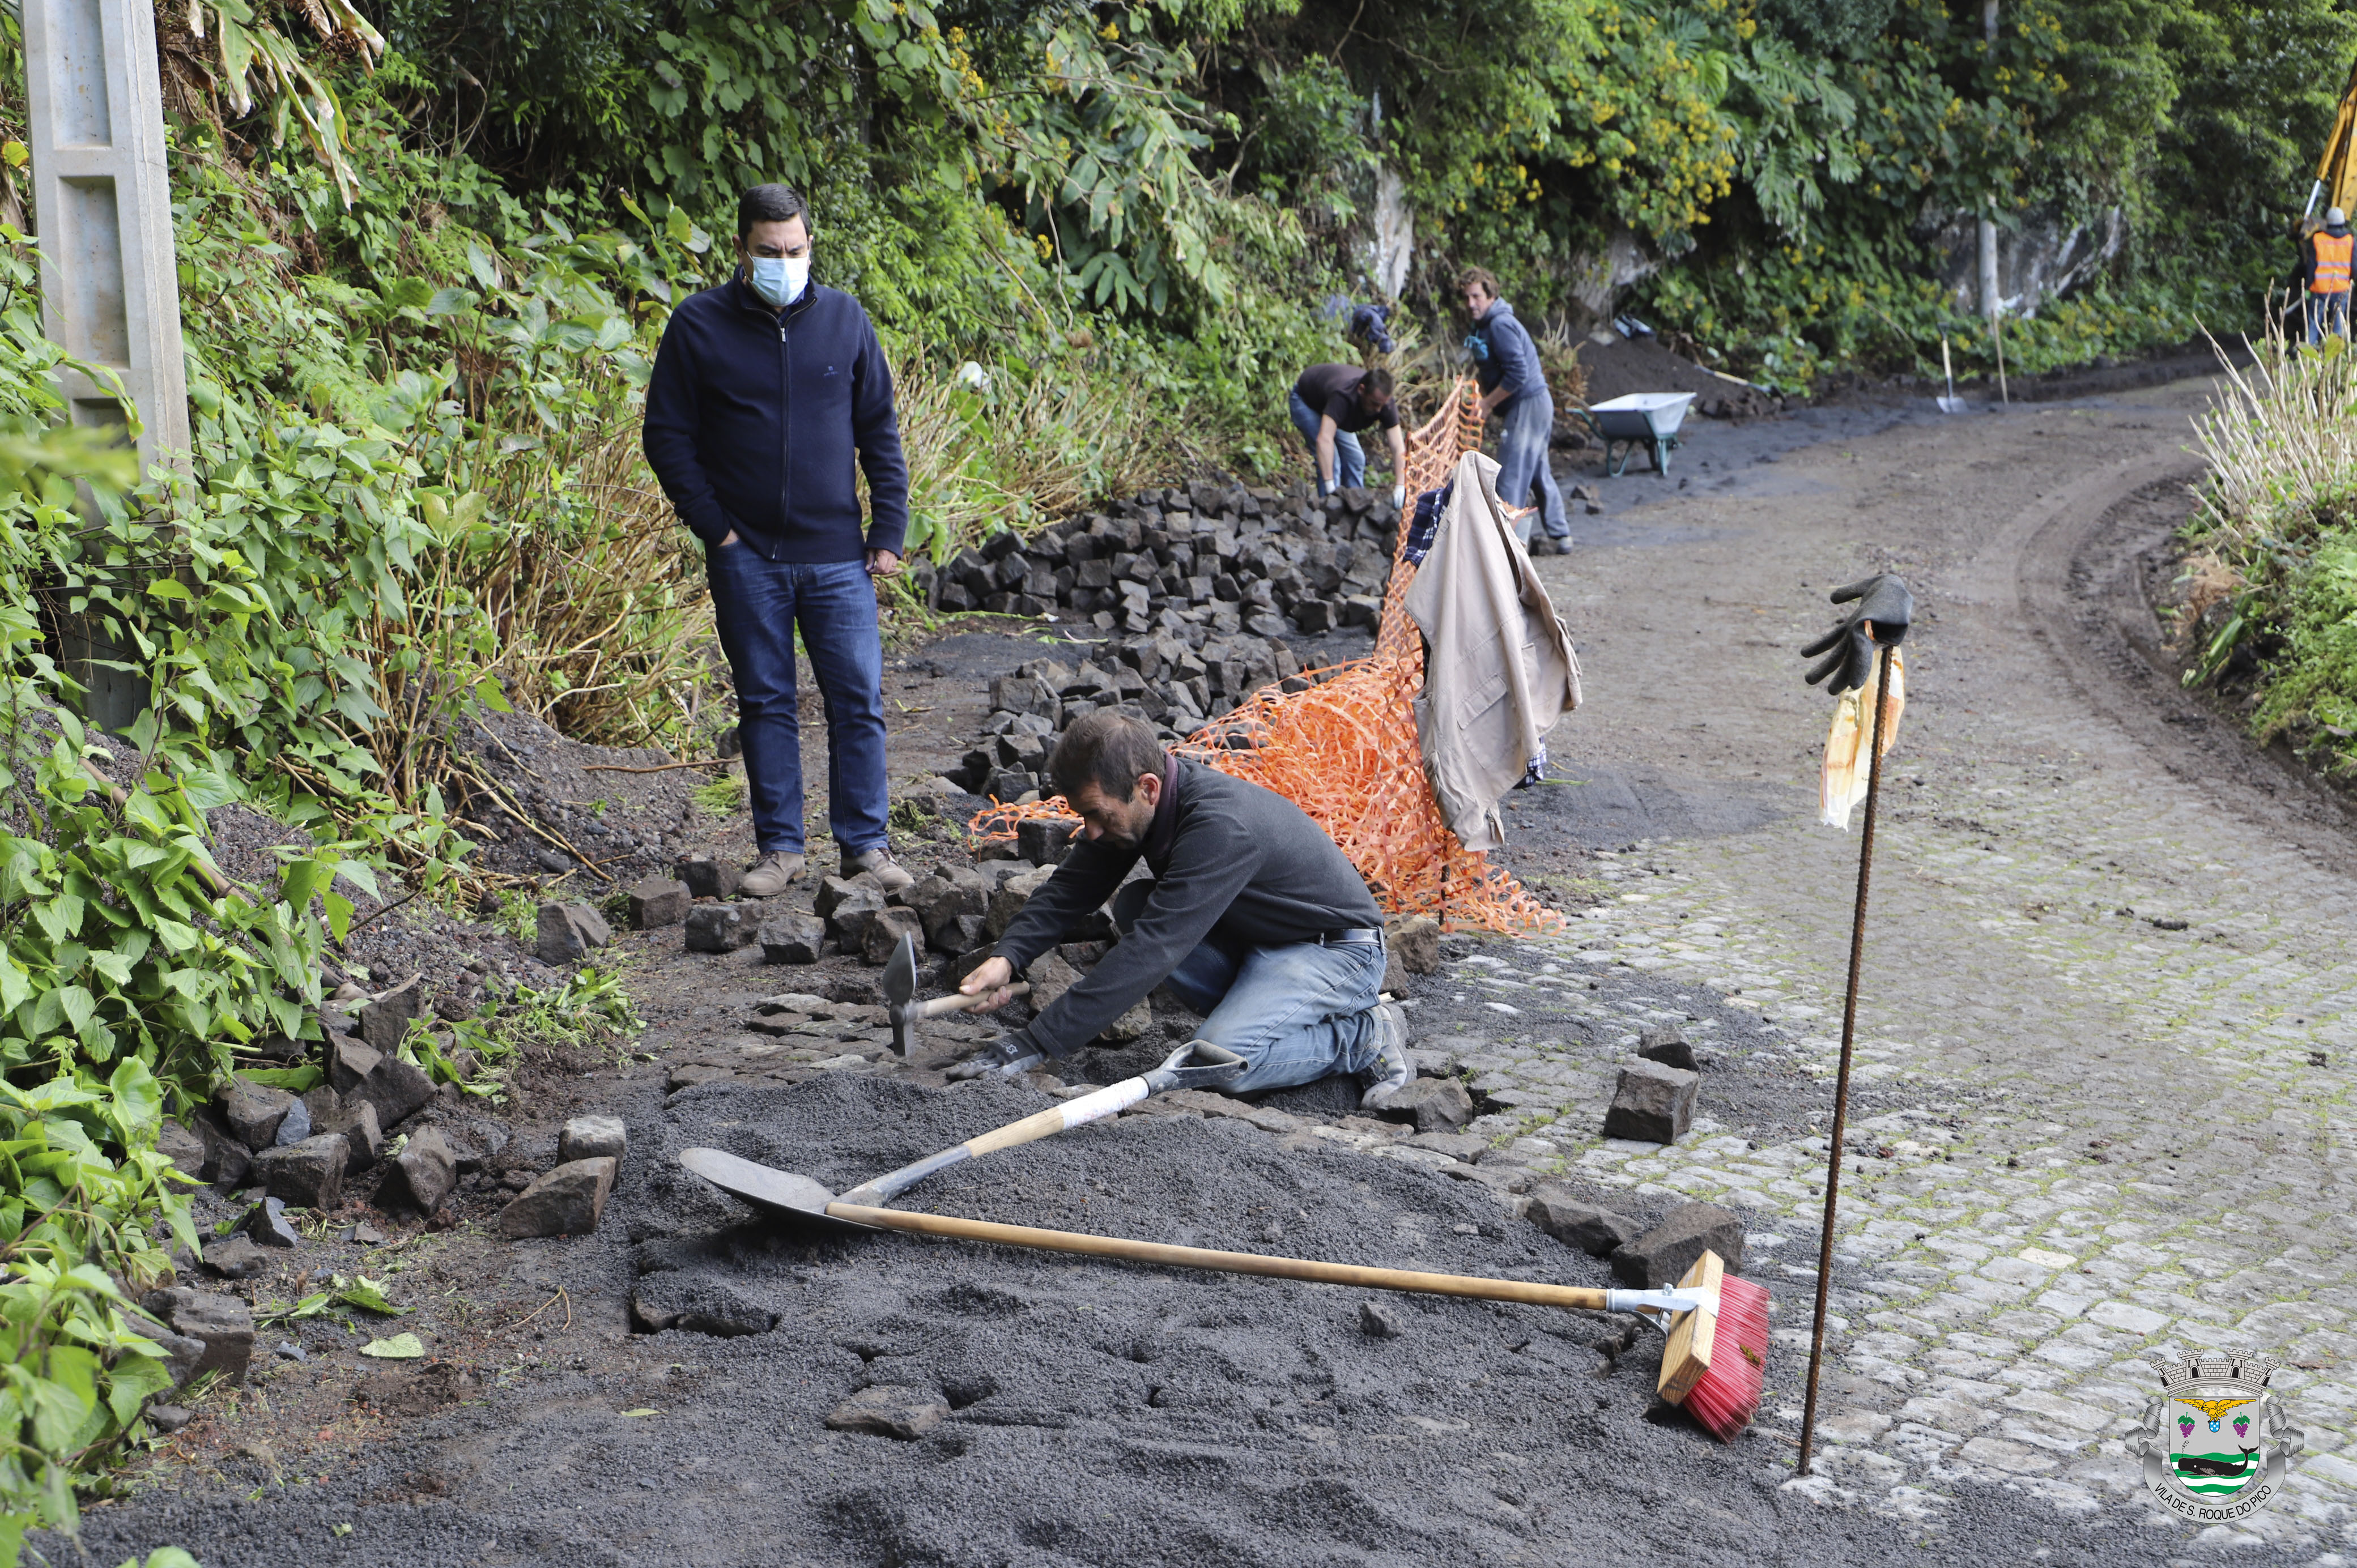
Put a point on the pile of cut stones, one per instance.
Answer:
(1205, 560)
(1198, 588)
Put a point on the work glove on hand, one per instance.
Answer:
(1880, 610)
(1399, 498)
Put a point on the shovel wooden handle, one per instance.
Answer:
(1096, 1107)
(1525, 1291)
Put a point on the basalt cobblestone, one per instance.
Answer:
(2115, 1138)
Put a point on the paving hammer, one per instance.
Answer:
(901, 1003)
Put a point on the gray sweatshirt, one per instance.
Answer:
(1233, 862)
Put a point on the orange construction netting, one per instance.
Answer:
(1345, 748)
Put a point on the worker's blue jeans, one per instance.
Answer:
(1296, 1013)
(1350, 457)
(1523, 460)
(756, 604)
(2328, 316)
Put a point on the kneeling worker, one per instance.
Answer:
(1254, 917)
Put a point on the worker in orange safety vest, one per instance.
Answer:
(2325, 264)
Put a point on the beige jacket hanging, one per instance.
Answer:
(1498, 665)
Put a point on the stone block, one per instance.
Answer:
(1415, 942)
(424, 1174)
(364, 1135)
(252, 1111)
(398, 1090)
(791, 936)
(834, 890)
(939, 901)
(266, 1222)
(568, 933)
(1012, 895)
(1433, 1104)
(567, 1201)
(1025, 694)
(1652, 1102)
(593, 1138)
(1571, 1219)
(656, 902)
(718, 927)
(385, 1019)
(226, 1159)
(885, 929)
(349, 1064)
(1050, 974)
(222, 1324)
(849, 922)
(1467, 1148)
(887, 1411)
(1046, 841)
(708, 877)
(1131, 1026)
(476, 1141)
(1668, 1046)
(1662, 1255)
(182, 1147)
(235, 1257)
(308, 1174)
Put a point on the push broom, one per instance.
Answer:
(1864, 645)
(1712, 1364)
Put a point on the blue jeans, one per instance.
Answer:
(757, 604)
(1350, 457)
(1297, 1013)
(2328, 316)
(1523, 459)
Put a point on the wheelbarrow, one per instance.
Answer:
(1650, 420)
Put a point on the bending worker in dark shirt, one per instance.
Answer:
(1254, 917)
(1331, 405)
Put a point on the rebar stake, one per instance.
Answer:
(1849, 1036)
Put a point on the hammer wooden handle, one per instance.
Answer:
(921, 1011)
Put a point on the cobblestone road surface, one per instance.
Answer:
(2108, 990)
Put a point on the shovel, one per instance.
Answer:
(1698, 1336)
(1951, 403)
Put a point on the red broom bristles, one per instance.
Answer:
(1727, 1396)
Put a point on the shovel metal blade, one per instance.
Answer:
(794, 1199)
(1950, 405)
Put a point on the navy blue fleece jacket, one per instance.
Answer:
(757, 417)
(1506, 356)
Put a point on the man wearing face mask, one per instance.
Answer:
(767, 391)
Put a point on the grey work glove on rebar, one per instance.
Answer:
(1880, 610)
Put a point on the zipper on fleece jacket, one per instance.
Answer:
(785, 425)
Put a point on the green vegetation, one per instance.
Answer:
(2272, 554)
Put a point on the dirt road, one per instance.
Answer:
(2109, 949)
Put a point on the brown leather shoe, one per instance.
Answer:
(878, 864)
(768, 876)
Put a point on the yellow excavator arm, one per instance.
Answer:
(2336, 172)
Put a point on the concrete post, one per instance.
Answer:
(110, 288)
(103, 209)
(1991, 299)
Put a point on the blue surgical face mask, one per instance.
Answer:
(778, 279)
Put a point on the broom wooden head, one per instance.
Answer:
(1716, 1360)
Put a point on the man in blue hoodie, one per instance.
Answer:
(1506, 368)
(766, 391)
